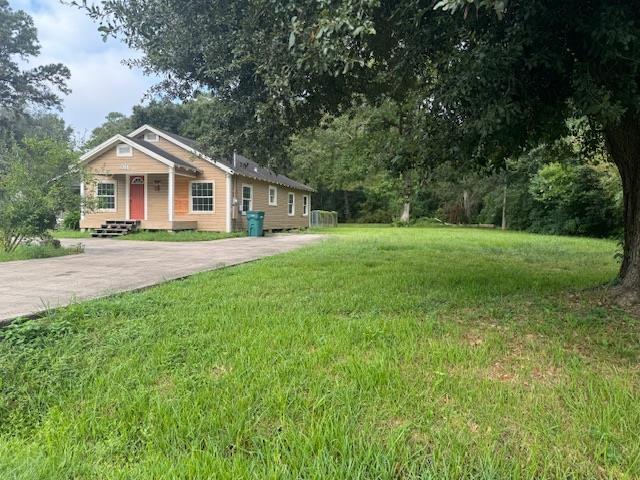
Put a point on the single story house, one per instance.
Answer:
(162, 181)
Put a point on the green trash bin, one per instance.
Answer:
(255, 222)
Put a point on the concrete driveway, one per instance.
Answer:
(111, 266)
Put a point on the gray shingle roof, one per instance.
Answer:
(249, 168)
(244, 166)
(187, 141)
(158, 151)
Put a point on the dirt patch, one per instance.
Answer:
(165, 385)
(501, 373)
(473, 339)
(219, 371)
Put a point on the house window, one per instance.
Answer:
(247, 198)
(202, 197)
(124, 150)
(305, 205)
(273, 196)
(106, 196)
(150, 137)
(292, 204)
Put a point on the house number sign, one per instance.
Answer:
(124, 166)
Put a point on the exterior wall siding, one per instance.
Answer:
(157, 202)
(140, 163)
(275, 217)
(93, 219)
(209, 221)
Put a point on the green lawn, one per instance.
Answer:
(180, 236)
(430, 353)
(70, 234)
(30, 252)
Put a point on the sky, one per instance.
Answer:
(100, 83)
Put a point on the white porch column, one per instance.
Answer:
(127, 197)
(172, 181)
(82, 201)
(229, 201)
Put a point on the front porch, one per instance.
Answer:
(147, 200)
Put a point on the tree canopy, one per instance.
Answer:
(19, 88)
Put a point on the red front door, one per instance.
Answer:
(136, 198)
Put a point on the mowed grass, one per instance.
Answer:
(30, 252)
(379, 353)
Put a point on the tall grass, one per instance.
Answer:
(30, 252)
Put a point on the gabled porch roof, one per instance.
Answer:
(145, 147)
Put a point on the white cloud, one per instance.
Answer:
(100, 83)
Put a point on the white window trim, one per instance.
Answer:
(293, 204)
(305, 208)
(153, 137)
(115, 196)
(213, 198)
(118, 154)
(275, 197)
(243, 212)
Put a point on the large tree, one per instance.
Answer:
(22, 88)
(522, 68)
(507, 77)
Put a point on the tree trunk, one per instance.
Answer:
(504, 207)
(347, 207)
(623, 142)
(406, 205)
(466, 205)
(406, 212)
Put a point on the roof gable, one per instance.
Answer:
(142, 146)
(169, 156)
(183, 142)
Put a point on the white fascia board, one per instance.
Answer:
(169, 138)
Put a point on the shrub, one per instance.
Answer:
(71, 220)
